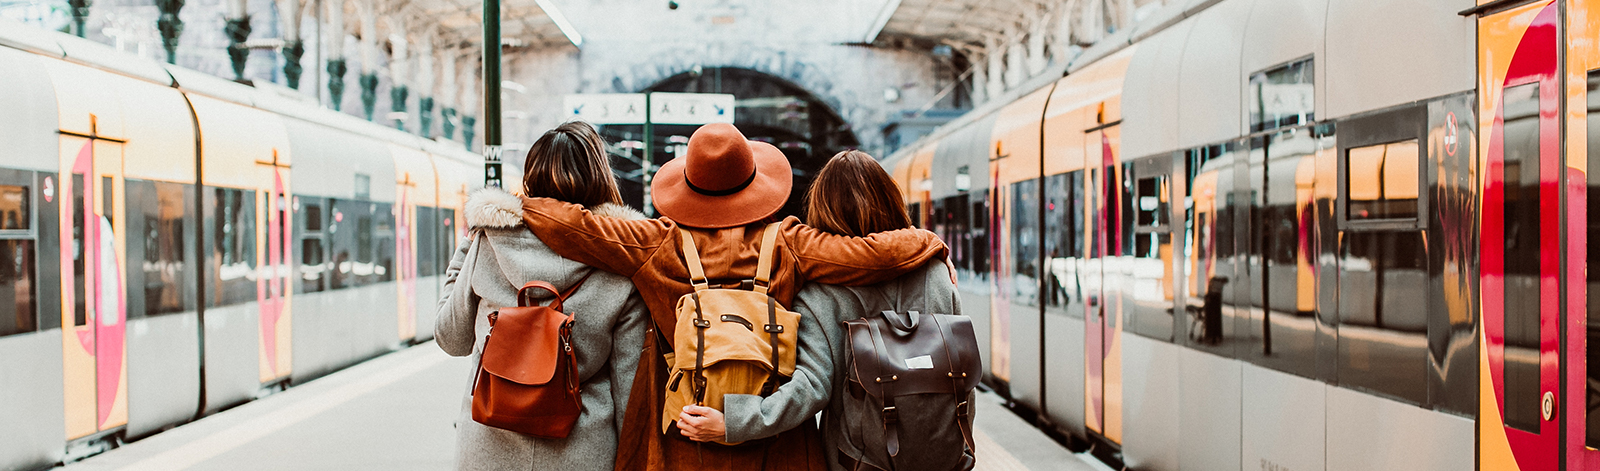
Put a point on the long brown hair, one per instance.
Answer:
(569, 163)
(854, 196)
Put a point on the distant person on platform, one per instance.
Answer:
(723, 192)
(567, 164)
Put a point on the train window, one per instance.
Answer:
(448, 237)
(1209, 244)
(1148, 293)
(1282, 96)
(18, 309)
(383, 234)
(158, 212)
(1592, 285)
(233, 232)
(980, 234)
(1522, 295)
(1383, 281)
(1382, 181)
(427, 243)
(1025, 242)
(80, 308)
(1063, 235)
(915, 211)
(1283, 331)
(313, 262)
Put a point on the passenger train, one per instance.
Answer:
(1293, 235)
(177, 244)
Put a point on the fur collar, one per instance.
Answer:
(495, 208)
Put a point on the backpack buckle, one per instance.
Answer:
(702, 323)
(890, 415)
(772, 328)
(961, 409)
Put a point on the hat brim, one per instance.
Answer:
(766, 194)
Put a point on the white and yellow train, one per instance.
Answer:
(175, 244)
(1294, 235)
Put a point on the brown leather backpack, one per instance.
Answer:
(910, 383)
(728, 341)
(527, 375)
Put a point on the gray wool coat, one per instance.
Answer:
(608, 334)
(819, 366)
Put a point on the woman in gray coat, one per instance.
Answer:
(567, 163)
(852, 196)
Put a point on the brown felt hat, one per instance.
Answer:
(723, 180)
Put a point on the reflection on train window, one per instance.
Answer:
(448, 238)
(157, 213)
(1282, 96)
(15, 209)
(1154, 201)
(80, 301)
(1383, 313)
(1282, 329)
(1063, 239)
(1149, 291)
(18, 312)
(427, 240)
(233, 266)
(1209, 242)
(1025, 242)
(980, 233)
(313, 263)
(1592, 271)
(1381, 181)
(1520, 176)
(383, 214)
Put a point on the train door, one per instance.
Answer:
(1582, 192)
(272, 284)
(92, 293)
(1103, 205)
(1519, 250)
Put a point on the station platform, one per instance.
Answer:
(397, 412)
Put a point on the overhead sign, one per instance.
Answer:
(691, 108)
(665, 108)
(606, 108)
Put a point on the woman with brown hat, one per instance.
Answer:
(567, 163)
(852, 196)
(721, 193)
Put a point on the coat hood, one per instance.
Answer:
(494, 208)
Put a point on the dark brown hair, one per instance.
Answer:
(569, 163)
(854, 196)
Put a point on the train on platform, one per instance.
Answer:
(1293, 235)
(175, 244)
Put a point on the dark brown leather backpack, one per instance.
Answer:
(527, 375)
(910, 384)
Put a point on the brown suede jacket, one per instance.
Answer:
(648, 252)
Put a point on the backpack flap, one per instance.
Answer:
(525, 344)
(737, 331)
(922, 361)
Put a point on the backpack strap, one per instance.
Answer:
(525, 295)
(697, 277)
(769, 247)
(890, 415)
(691, 257)
(957, 381)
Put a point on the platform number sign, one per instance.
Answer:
(491, 166)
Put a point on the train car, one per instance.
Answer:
(178, 244)
(1269, 234)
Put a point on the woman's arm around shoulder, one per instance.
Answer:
(615, 241)
(858, 261)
